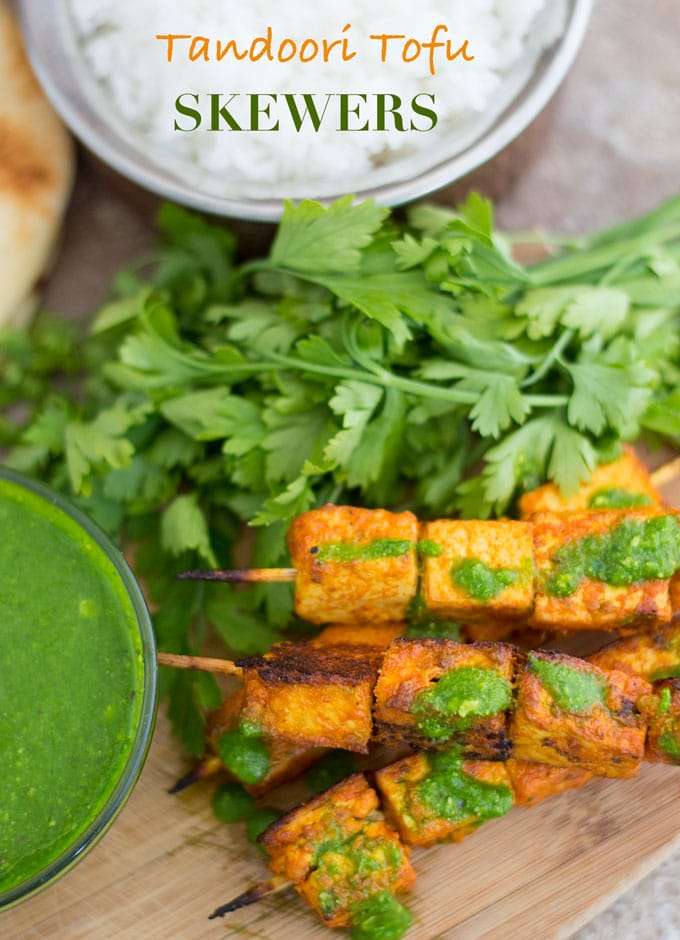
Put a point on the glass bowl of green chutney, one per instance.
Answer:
(78, 685)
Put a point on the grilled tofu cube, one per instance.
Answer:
(434, 693)
(576, 552)
(571, 712)
(354, 564)
(663, 723)
(442, 798)
(532, 783)
(314, 696)
(651, 655)
(378, 635)
(620, 484)
(338, 851)
(278, 760)
(477, 570)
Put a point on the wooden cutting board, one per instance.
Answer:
(536, 874)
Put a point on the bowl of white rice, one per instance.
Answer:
(233, 108)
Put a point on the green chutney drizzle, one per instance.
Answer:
(380, 917)
(573, 690)
(670, 744)
(460, 696)
(614, 497)
(245, 755)
(635, 550)
(451, 793)
(664, 701)
(352, 861)
(480, 581)
(71, 686)
(429, 549)
(370, 551)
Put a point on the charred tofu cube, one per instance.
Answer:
(663, 720)
(651, 655)
(478, 570)
(338, 851)
(313, 696)
(259, 762)
(571, 712)
(354, 564)
(437, 693)
(532, 783)
(604, 570)
(621, 484)
(442, 798)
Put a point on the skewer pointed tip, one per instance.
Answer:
(206, 768)
(252, 896)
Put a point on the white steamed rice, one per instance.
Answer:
(140, 86)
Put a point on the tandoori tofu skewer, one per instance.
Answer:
(429, 798)
(604, 569)
(486, 699)
(555, 568)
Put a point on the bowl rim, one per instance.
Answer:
(55, 71)
(139, 748)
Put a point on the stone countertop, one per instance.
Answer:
(606, 148)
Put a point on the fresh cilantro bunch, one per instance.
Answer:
(364, 360)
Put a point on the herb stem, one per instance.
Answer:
(552, 357)
(581, 264)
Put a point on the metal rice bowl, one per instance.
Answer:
(53, 50)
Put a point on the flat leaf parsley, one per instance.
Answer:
(364, 360)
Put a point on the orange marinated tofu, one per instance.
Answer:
(378, 635)
(478, 570)
(650, 655)
(433, 798)
(313, 696)
(434, 693)
(623, 480)
(532, 783)
(337, 850)
(663, 723)
(569, 600)
(571, 712)
(287, 759)
(354, 564)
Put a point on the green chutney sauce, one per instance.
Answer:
(71, 683)
(458, 698)
(635, 550)
(455, 795)
(574, 690)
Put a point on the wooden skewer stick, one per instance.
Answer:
(203, 663)
(666, 473)
(237, 575)
(252, 895)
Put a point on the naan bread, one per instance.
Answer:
(36, 172)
